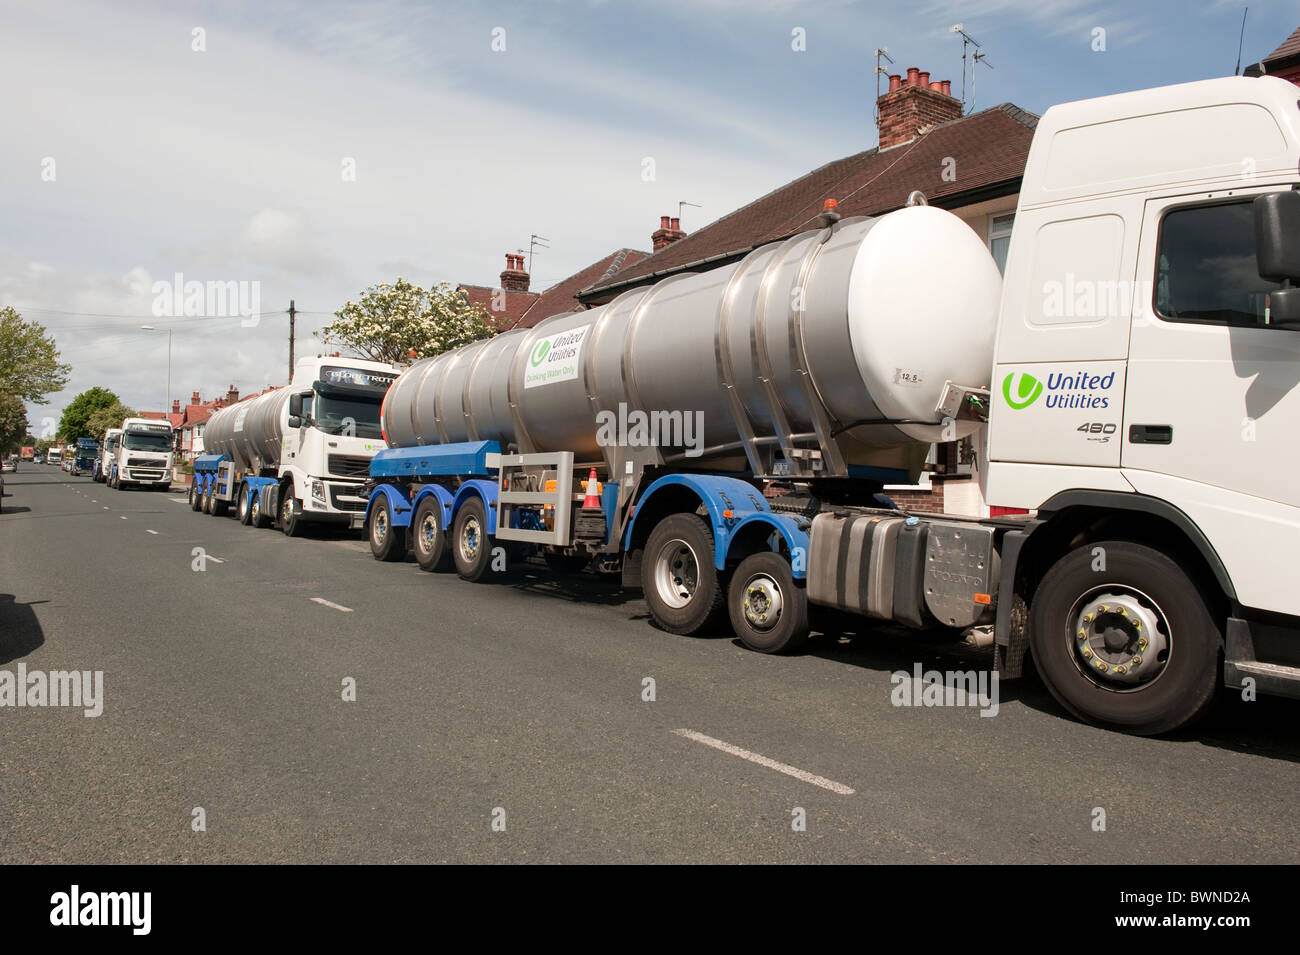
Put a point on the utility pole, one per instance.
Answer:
(292, 312)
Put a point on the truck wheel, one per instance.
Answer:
(244, 508)
(386, 541)
(682, 587)
(471, 549)
(196, 500)
(255, 516)
(290, 520)
(1130, 647)
(428, 539)
(207, 499)
(768, 607)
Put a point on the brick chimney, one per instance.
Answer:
(514, 278)
(176, 406)
(669, 231)
(194, 399)
(913, 104)
(232, 395)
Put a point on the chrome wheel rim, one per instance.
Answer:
(676, 573)
(763, 602)
(1120, 639)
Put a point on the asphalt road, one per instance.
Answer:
(521, 702)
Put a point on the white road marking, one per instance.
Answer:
(150, 532)
(105, 507)
(122, 518)
(215, 560)
(799, 774)
(329, 603)
(177, 500)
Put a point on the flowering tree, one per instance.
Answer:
(388, 322)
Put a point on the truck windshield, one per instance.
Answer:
(349, 416)
(145, 441)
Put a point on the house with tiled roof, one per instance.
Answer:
(1283, 62)
(512, 305)
(969, 164)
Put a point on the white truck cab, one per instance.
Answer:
(107, 454)
(1146, 393)
(144, 455)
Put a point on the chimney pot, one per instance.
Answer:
(947, 87)
(176, 406)
(936, 86)
(923, 78)
(895, 82)
(663, 222)
(912, 74)
(675, 224)
(194, 399)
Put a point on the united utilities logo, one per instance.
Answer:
(539, 353)
(1026, 393)
(1064, 391)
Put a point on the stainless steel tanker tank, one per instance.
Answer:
(250, 431)
(843, 336)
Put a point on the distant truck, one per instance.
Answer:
(87, 455)
(54, 456)
(299, 454)
(144, 455)
(27, 454)
(107, 455)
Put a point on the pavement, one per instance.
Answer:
(512, 721)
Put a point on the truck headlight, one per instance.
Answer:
(318, 491)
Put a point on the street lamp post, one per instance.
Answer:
(168, 396)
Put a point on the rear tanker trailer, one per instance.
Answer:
(299, 454)
(828, 362)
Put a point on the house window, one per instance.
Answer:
(1000, 238)
(1206, 269)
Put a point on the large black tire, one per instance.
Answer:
(1130, 647)
(683, 589)
(208, 500)
(768, 607)
(386, 541)
(429, 537)
(291, 522)
(256, 514)
(244, 508)
(196, 497)
(471, 547)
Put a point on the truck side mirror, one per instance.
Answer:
(295, 421)
(295, 409)
(1277, 236)
(1277, 250)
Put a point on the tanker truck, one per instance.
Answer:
(143, 457)
(299, 454)
(1131, 384)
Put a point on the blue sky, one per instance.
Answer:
(224, 165)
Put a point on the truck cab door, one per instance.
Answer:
(1212, 394)
(293, 437)
(1212, 399)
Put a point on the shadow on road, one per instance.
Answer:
(20, 631)
(1265, 727)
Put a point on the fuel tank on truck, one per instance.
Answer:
(249, 432)
(850, 331)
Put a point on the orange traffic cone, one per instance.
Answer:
(591, 500)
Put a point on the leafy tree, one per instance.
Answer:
(13, 423)
(75, 416)
(29, 359)
(109, 417)
(388, 322)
